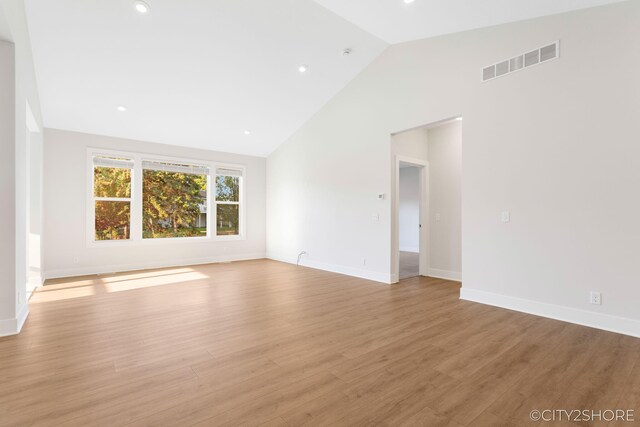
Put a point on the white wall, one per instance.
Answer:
(409, 209)
(13, 28)
(412, 143)
(445, 200)
(65, 157)
(7, 188)
(556, 145)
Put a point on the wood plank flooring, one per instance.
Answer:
(267, 343)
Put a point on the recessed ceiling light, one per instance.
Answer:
(121, 108)
(303, 68)
(247, 132)
(141, 7)
(409, 1)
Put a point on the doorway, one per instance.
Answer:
(426, 214)
(409, 224)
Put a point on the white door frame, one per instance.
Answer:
(33, 244)
(423, 165)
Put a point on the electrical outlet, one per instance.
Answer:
(596, 298)
(506, 216)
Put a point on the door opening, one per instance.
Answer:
(426, 214)
(409, 199)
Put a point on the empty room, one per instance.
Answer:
(319, 212)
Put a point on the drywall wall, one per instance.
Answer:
(7, 189)
(65, 247)
(13, 28)
(412, 143)
(445, 200)
(409, 209)
(554, 144)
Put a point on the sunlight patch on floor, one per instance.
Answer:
(63, 289)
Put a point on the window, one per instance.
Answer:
(112, 198)
(174, 200)
(136, 197)
(228, 201)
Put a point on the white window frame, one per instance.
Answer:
(136, 200)
(240, 204)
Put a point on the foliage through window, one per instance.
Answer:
(174, 202)
(112, 198)
(227, 204)
(135, 198)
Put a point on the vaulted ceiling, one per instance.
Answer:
(396, 21)
(224, 74)
(197, 73)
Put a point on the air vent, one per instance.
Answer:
(548, 52)
(489, 72)
(532, 58)
(519, 62)
(516, 63)
(502, 68)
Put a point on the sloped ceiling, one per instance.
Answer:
(202, 73)
(197, 73)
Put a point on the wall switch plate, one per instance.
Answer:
(375, 217)
(506, 216)
(596, 298)
(437, 217)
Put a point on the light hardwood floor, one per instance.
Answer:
(266, 343)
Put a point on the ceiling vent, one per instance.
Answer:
(519, 62)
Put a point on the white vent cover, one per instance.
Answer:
(519, 62)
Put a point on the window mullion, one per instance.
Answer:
(136, 200)
(211, 206)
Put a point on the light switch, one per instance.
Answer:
(437, 217)
(506, 216)
(375, 217)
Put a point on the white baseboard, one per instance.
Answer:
(413, 249)
(105, 269)
(335, 268)
(14, 326)
(445, 274)
(607, 322)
